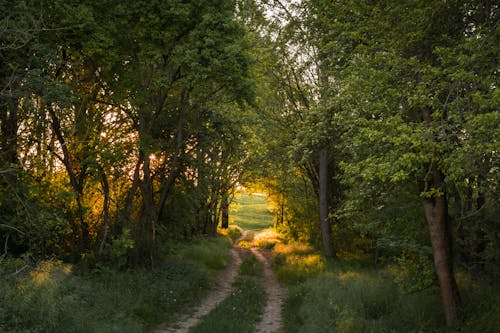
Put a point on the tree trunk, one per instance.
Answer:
(105, 209)
(436, 213)
(326, 233)
(8, 141)
(225, 211)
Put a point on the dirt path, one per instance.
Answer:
(222, 290)
(271, 321)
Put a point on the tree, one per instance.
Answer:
(402, 114)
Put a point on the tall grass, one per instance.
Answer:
(349, 297)
(53, 298)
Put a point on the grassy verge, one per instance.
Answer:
(54, 299)
(344, 296)
(250, 212)
(239, 312)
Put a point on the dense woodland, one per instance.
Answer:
(373, 126)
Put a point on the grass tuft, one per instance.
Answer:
(251, 266)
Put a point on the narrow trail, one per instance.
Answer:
(271, 321)
(220, 292)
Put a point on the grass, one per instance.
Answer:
(233, 232)
(237, 313)
(251, 266)
(53, 298)
(346, 296)
(250, 212)
(294, 263)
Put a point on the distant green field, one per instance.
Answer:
(250, 212)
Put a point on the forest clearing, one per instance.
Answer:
(271, 166)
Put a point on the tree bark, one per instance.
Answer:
(326, 232)
(225, 211)
(105, 208)
(436, 213)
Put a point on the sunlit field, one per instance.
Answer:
(250, 212)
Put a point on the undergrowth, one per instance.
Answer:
(53, 298)
(237, 313)
(344, 296)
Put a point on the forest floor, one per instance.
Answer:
(271, 320)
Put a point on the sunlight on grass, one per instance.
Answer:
(251, 211)
(50, 273)
(350, 275)
(266, 239)
(297, 248)
(233, 232)
(293, 263)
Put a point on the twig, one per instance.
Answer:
(11, 227)
(19, 270)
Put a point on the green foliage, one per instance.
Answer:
(350, 296)
(52, 298)
(234, 233)
(418, 272)
(117, 251)
(239, 312)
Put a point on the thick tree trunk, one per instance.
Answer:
(326, 233)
